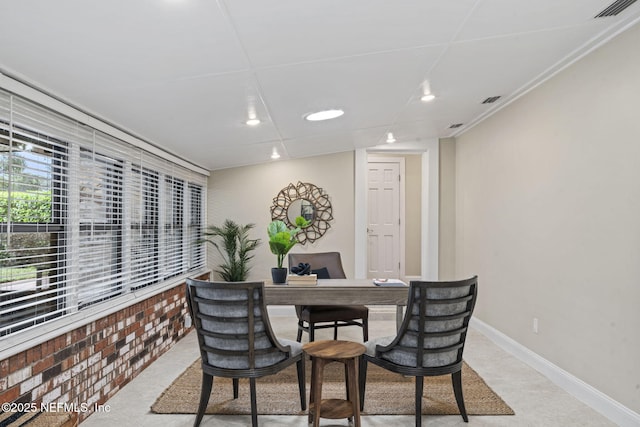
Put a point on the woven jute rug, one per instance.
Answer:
(386, 393)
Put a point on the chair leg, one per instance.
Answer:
(254, 405)
(362, 380)
(301, 383)
(419, 388)
(300, 329)
(236, 382)
(456, 379)
(365, 329)
(335, 330)
(205, 392)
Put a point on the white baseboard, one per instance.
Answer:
(582, 391)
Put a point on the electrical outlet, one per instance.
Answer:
(535, 325)
(187, 321)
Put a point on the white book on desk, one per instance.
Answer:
(388, 282)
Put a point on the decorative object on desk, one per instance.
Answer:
(305, 279)
(307, 201)
(387, 394)
(232, 242)
(389, 282)
(281, 240)
(301, 269)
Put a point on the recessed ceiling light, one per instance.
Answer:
(253, 122)
(323, 115)
(274, 154)
(428, 97)
(390, 138)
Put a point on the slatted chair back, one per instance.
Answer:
(233, 328)
(236, 340)
(434, 328)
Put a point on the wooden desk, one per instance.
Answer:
(338, 292)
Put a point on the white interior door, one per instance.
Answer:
(383, 222)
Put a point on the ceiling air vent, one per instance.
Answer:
(615, 8)
(456, 125)
(491, 100)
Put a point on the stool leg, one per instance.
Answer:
(317, 365)
(353, 389)
(347, 384)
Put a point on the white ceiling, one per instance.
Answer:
(182, 74)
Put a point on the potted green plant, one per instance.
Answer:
(234, 246)
(281, 240)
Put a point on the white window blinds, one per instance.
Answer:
(86, 217)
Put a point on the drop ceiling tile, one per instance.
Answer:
(236, 155)
(369, 88)
(333, 142)
(192, 115)
(493, 18)
(74, 46)
(300, 31)
(472, 71)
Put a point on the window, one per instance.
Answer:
(100, 255)
(32, 196)
(144, 228)
(173, 227)
(86, 217)
(196, 249)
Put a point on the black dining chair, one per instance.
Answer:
(236, 339)
(327, 265)
(431, 338)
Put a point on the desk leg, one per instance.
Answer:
(399, 316)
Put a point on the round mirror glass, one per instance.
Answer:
(303, 208)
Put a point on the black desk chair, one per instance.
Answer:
(327, 265)
(431, 339)
(236, 339)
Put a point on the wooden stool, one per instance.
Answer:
(323, 353)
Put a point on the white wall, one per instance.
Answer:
(245, 195)
(548, 216)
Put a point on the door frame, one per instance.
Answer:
(401, 213)
(430, 153)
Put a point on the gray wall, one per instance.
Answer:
(548, 216)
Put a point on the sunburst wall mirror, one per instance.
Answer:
(306, 200)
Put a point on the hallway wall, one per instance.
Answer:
(548, 208)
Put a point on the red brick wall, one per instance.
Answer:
(91, 363)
